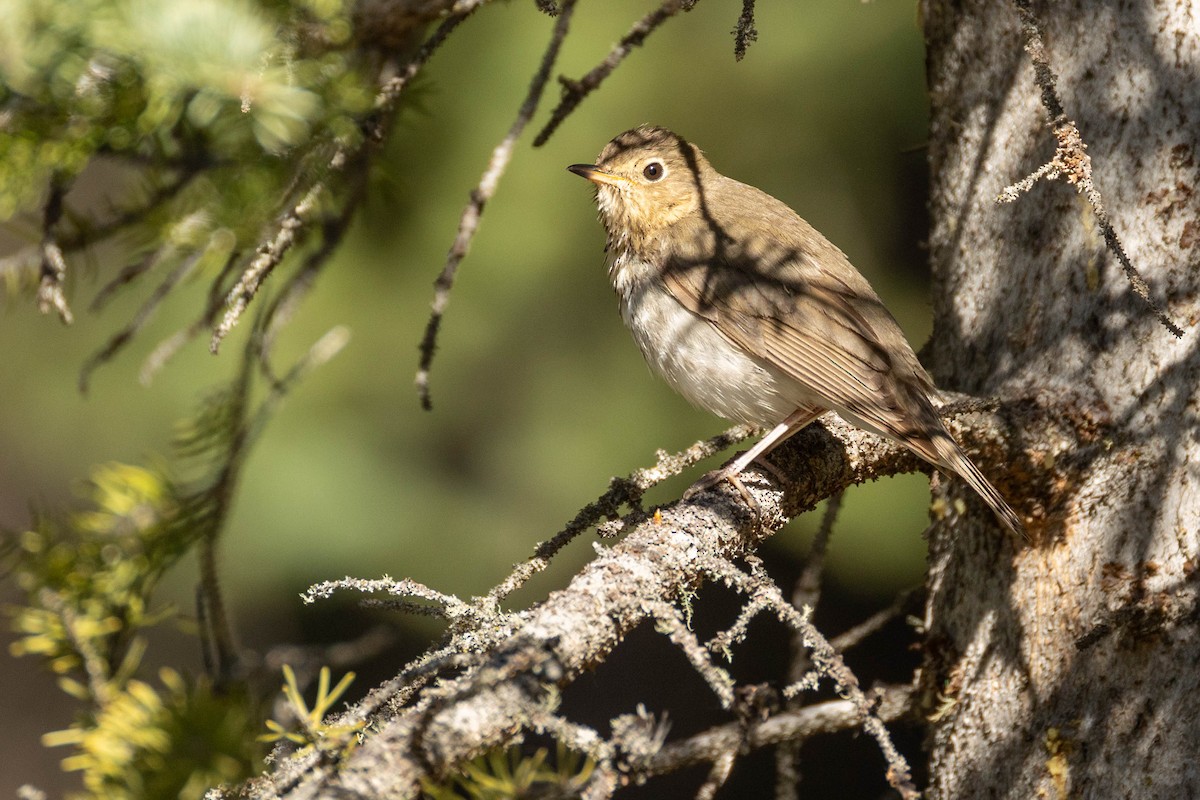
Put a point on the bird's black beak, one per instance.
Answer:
(595, 174)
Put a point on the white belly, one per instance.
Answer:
(698, 362)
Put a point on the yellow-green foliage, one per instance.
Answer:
(232, 93)
(313, 731)
(505, 773)
(173, 741)
(89, 583)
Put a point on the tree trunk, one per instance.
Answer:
(1068, 667)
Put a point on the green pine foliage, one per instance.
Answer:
(212, 105)
(311, 729)
(506, 774)
(89, 579)
(89, 582)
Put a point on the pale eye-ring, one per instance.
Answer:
(654, 171)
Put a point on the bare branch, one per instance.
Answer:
(54, 266)
(827, 662)
(290, 227)
(787, 726)
(575, 91)
(745, 33)
(468, 223)
(1072, 161)
(621, 491)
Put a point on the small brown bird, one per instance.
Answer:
(751, 314)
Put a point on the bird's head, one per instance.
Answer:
(646, 179)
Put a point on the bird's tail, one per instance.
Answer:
(953, 458)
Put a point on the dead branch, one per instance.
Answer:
(744, 33)
(468, 223)
(492, 680)
(1072, 161)
(574, 91)
(796, 725)
(54, 267)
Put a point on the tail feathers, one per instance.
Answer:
(953, 458)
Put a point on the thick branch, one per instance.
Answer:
(576, 628)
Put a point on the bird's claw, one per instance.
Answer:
(711, 479)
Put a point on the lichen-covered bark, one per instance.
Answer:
(1068, 667)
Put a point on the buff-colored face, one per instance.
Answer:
(646, 178)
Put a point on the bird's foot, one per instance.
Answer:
(726, 473)
(730, 473)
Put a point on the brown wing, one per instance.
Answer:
(781, 291)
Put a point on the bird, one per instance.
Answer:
(751, 314)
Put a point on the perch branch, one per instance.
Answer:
(535, 653)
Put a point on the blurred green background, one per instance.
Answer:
(539, 394)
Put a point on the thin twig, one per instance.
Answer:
(287, 233)
(468, 223)
(806, 592)
(130, 216)
(144, 314)
(574, 91)
(795, 725)
(826, 660)
(576, 737)
(54, 265)
(670, 622)
(745, 33)
(621, 491)
(1072, 161)
(290, 227)
(284, 304)
(446, 605)
(166, 349)
(737, 632)
(390, 92)
(872, 624)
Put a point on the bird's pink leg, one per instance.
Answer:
(795, 421)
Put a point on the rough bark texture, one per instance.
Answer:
(1068, 668)
(577, 627)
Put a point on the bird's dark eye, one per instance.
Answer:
(653, 171)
